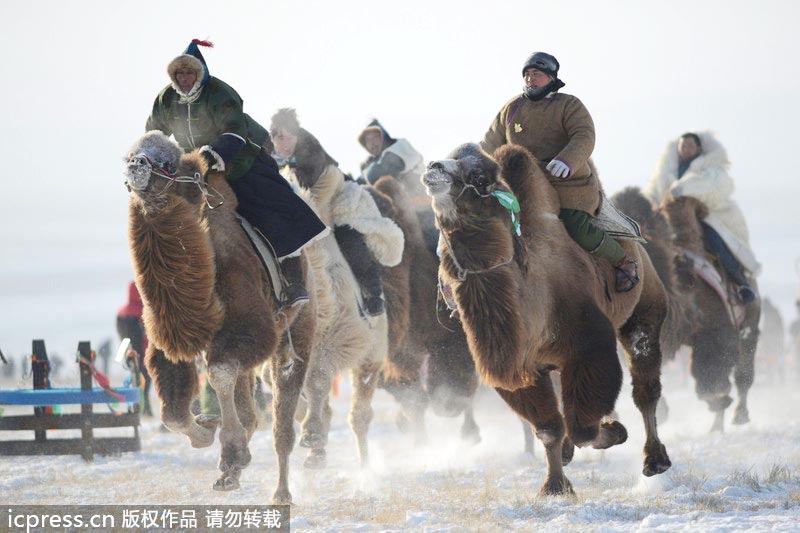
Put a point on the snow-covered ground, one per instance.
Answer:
(745, 479)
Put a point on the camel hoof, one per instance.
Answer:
(611, 433)
(471, 436)
(567, 451)
(741, 416)
(315, 461)
(312, 440)
(282, 497)
(557, 486)
(228, 481)
(719, 424)
(656, 460)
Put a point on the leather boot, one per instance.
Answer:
(294, 291)
(627, 275)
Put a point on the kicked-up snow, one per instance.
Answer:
(746, 479)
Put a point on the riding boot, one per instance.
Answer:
(730, 264)
(294, 290)
(365, 269)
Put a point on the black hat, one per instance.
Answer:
(544, 62)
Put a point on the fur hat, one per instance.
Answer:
(190, 58)
(374, 126)
(285, 119)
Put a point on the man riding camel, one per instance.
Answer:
(559, 132)
(204, 112)
(696, 165)
(365, 237)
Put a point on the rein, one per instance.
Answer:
(197, 179)
(462, 272)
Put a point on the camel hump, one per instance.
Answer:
(516, 165)
(635, 204)
(396, 192)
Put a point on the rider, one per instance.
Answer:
(204, 112)
(559, 132)
(358, 226)
(392, 157)
(696, 165)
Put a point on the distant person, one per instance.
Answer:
(559, 131)
(204, 112)
(359, 228)
(696, 165)
(129, 325)
(392, 157)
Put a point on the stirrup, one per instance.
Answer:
(625, 279)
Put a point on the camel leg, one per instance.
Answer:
(538, 405)
(315, 426)
(590, 383)
(711, 363)
(364, 379)
(176, 385)
(413, 401)
(640, 336)
(470, 432)
(287, 384)
(223, 377)
(527, 433)
(745, 367)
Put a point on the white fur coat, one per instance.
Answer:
(707, 180)
(339, 202)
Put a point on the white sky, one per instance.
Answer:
(79, 79)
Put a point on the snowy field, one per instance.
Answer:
(747, 479)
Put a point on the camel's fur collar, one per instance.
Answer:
(170, 244)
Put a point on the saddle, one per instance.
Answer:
(616, 223)
(722, 286)
(266, 255)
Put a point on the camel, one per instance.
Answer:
(722, 338)
(206, 292)
(420, 326)
(537, 302)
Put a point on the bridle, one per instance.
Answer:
(145, 166)
(461, 272)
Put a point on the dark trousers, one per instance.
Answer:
(355, 251)
(729, 263)
(132, 328)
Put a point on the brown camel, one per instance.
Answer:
(536, 303)
(206, 292)
(722, 339)
(420, 326)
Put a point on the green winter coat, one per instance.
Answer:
(559, 127)
(217, 110)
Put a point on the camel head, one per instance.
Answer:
(156, 165)
(467, 174)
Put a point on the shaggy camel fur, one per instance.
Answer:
(345, 339)
(206, 292)
(538, 302)
(718, 346)
(419, 325)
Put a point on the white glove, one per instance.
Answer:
(558, 168)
